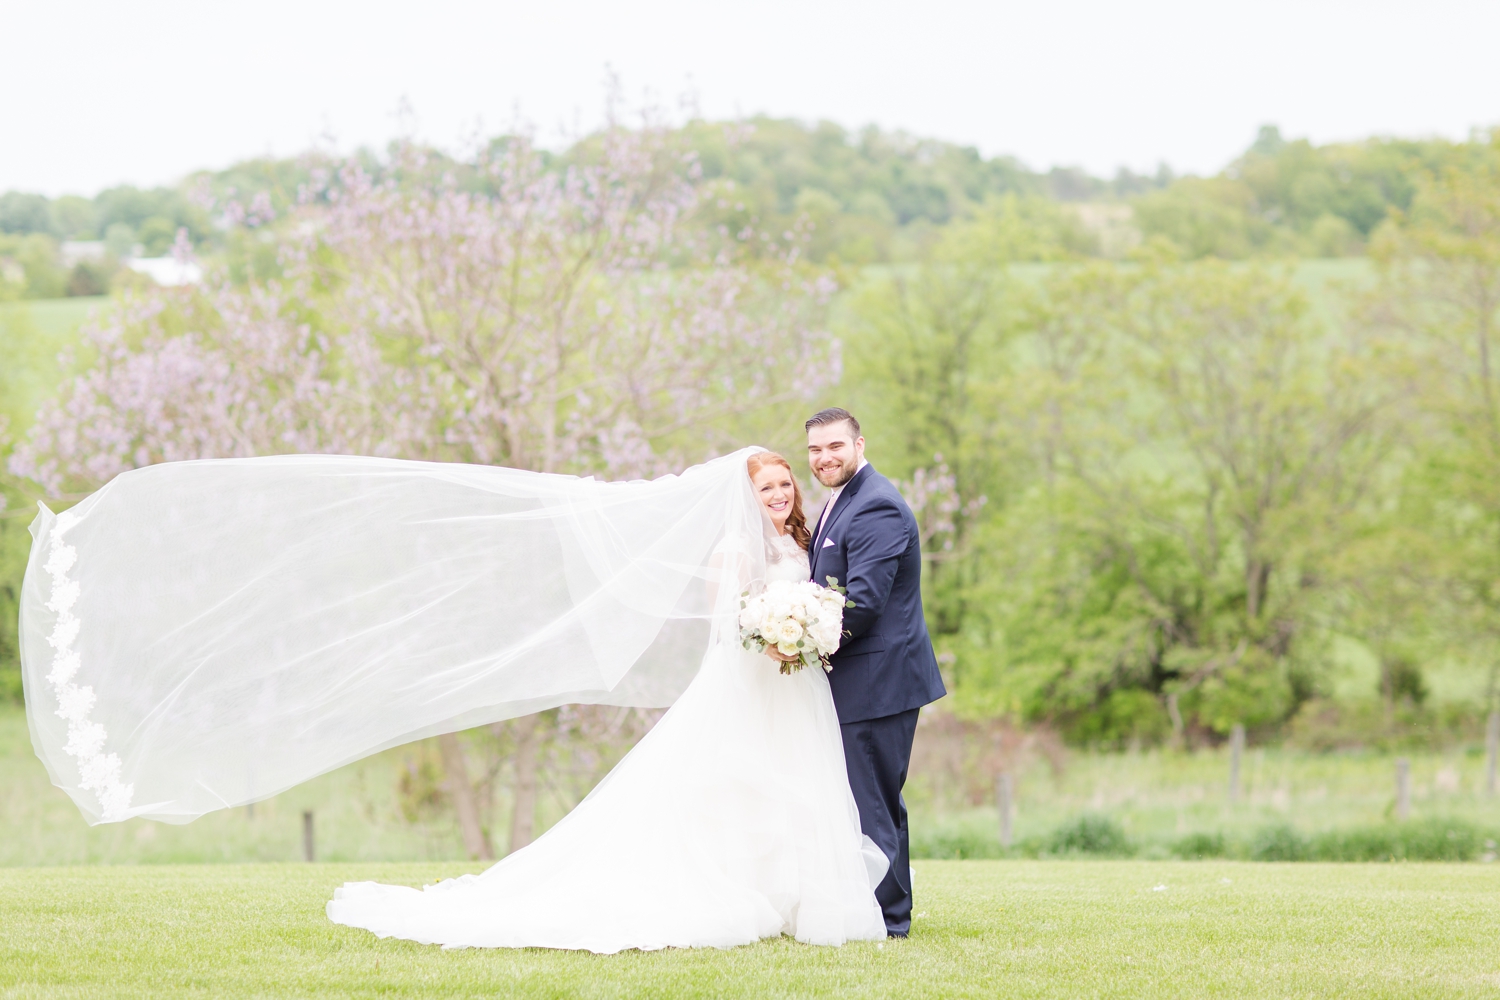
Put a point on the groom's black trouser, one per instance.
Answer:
(877, 753)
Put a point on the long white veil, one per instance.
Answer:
(198, 635)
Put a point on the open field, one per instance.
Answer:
(988, 929)
(357, 819)
(54, 317)
(1157, 798)
(32, 333)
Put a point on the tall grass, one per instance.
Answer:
(1155, 805)
(1337, 806)
(357, 817)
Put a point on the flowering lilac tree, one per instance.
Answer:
(574, 319)
(933, 496)
(557, 320)
(180, 375)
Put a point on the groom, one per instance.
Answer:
(884, 671)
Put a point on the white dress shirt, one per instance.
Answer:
(834, 497)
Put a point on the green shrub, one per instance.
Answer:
(1279, 843)
(956, 842)
(1125, 717)
(1422, 840)
(1090, 834)
(1321, 725)
(1200, 845)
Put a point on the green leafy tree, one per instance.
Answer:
(1206, 217)
(1438, 291)
(1202, 449)
(1284, 197)
(34, 256)
(24, 213)
(73, 218)
(930, 365)
(873, 196)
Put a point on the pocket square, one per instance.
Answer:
(828, 543)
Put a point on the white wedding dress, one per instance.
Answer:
(199, 635)
(731, 821)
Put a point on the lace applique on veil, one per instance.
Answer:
(98, 771)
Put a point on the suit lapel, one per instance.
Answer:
(846, 497)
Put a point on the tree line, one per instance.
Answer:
(871, 197)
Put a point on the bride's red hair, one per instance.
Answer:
(796, 521)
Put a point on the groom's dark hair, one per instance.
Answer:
(832, 415)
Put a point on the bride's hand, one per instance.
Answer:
(777, 654)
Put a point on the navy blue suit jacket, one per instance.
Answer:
(870, 542)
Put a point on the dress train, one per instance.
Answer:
(731, 821)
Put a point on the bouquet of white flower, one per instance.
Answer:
(802, 620)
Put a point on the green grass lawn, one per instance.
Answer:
(32, 335)
(986, 929)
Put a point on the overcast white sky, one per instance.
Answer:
(143, 91)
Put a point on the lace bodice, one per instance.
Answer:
(786, 560)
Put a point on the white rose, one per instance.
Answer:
(788, 649)
(789, 632)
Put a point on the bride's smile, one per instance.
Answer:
(771, 477)
(774, 484)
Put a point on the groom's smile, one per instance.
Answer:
(834, 451)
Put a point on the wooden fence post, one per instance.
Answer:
(1236, 751)
(1003, 803)
(307, 835)
(1403, 788)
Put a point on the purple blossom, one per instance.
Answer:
(573, 319)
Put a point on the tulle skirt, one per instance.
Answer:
(731, 821)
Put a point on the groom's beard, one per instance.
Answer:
(845, 473)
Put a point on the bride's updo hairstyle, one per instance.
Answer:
(796, 522)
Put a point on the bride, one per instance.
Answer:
(732, 820)
(199, 635)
